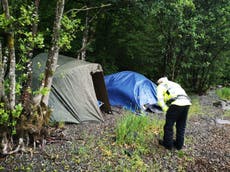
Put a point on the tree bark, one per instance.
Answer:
(51, 63)
(82, 54)
(11, 57)
(1, 73)
(26, 94)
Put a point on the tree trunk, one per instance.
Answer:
(1, 73)
(51, 63)
(11, 57)
(26, 93)
(82, 54)
(35, 25)
(86, 40)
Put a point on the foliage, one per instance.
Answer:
(223, 93)
(121, 38)
(209, 42)
(4, 115)
(42, 91)
(180, 39)
(9, 119)
(70, 26)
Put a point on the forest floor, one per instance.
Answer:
(92, 147)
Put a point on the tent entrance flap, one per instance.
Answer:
(100, 90)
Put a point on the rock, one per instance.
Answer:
(217, 104)
(225, 105)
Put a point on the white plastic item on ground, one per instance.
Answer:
(222, 121)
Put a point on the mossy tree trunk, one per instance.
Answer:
(10, 44)
(51, 63)
(26, 96)
(1, 73)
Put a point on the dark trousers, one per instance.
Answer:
(175, 114)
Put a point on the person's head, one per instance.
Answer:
(162, 80)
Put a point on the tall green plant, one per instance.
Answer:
(131, 128)
(137, 131)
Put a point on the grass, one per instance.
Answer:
(224, 93)
(137, 137)
(134, 129)
(227, 113)
(195, 108)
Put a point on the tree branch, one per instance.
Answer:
(85, 8)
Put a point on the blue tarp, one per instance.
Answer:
(130, 90)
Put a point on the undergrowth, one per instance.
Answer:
(223, 93)
(138, 137)
(137, 129)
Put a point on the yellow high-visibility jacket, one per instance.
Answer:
(171, 91)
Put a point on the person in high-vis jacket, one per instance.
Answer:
(173, 100)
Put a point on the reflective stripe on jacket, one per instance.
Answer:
(169, 90)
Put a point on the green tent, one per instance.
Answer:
(77, 88)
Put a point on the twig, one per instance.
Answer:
(85, 8)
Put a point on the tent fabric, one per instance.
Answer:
(130, 90)
(72, 97)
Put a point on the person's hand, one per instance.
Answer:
(165, 108)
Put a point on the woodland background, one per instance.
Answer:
(186, 40)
